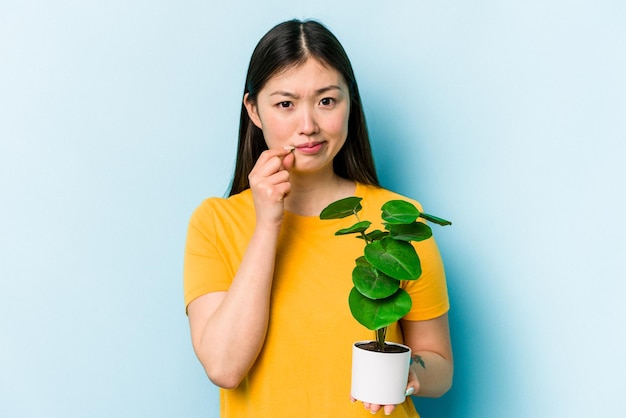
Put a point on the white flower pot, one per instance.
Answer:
(379, 377)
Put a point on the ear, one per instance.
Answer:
(253, 111)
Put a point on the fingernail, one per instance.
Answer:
(409, 391)
(289, 148)
(373, 412)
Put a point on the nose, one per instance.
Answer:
(308, 122)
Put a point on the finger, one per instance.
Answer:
(270, 154)
(267, 165)
(387, 409)
(283, 190)
(277, 152)
(268, 172)
(277, 177)
(413, 385)
(274, 187)
(288, 161)
(374, 408)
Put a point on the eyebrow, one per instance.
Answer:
(317, 92)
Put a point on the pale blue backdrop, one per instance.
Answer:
(117, 118)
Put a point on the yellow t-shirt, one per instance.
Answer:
(304, 367)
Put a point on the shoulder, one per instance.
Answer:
(218, 207)
(376, 196)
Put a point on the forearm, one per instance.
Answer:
(435, 376)
(234, 333)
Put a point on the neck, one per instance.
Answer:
(308, 196)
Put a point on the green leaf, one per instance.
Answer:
(374, 235)
(399, 212)
(434, 219)
(361, 261)
(373, 283)
(397, 259)
(376, 314)
(355, 229)
(417, 231)
(342, 208)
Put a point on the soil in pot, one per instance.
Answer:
(388, 348)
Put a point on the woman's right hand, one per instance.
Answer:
(269, 182)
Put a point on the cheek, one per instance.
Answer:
(275, 128)
(339, 125)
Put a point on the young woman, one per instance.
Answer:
(266, 281)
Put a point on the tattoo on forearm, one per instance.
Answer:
(418, 359)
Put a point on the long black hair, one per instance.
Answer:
(288, 45)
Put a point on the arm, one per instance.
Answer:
(228, 328)
(431, 341)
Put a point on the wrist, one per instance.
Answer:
(267, 230)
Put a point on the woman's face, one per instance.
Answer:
(306, 107)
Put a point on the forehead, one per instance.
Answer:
(312, 74)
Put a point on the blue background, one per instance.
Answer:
(117, 118)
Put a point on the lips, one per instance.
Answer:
(310, 147)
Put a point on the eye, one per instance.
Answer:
(327, 101)
(285, 104)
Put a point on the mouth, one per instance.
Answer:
(310, 147)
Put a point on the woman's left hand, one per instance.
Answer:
(412, 387)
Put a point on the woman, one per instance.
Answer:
(266, 281)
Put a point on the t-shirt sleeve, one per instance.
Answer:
(204, 269)
(429, 293)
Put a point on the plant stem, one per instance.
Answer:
(362, 233)
(380, 338)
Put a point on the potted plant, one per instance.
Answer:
(377, 299)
